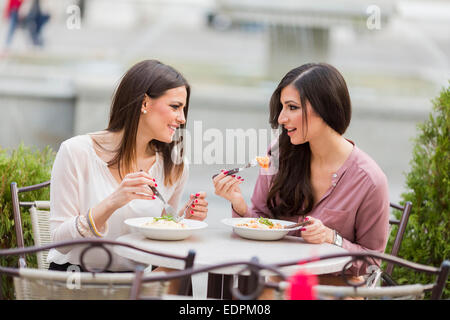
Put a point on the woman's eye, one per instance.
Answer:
(291, 107)
(175, 106)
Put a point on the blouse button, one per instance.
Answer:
(334, 184)
(334, 175)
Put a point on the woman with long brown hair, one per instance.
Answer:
(100, 179)
(320, 176)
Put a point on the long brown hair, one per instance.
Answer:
(325, 89)
(152, 78)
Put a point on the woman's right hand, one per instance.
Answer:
(133, 186)
(227, 187)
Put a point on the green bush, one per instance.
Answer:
(25, 166)
(426, 238)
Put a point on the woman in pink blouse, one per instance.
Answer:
(317, 174)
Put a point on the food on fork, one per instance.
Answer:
(263, 162)
(261, 223)
(167, 221)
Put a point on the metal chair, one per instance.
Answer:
(384, 277)
(251, 268)
(39, 214)
(37, 284)
(402, 223)
(257, 272)
(362, 290)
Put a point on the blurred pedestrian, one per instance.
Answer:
(12, 13)
(35, 21)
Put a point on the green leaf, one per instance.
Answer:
(265, 221)
(166, 218)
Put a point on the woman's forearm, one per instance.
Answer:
(240, 206)
(102, 212)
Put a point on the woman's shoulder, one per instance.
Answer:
(73, 153)
(77, 146)
(368, 167)
(78, 142)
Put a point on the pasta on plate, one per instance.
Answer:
(261, 223)
(164, 222)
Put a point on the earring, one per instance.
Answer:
(144, 112)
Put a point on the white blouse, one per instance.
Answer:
(80, 180)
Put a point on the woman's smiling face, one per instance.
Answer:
(164, 114)
(292, 117)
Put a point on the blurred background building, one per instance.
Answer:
(394, 56)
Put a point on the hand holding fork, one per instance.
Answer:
(231, 172)
(196, 208)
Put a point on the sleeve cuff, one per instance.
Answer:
(237, 215)
(248, 214)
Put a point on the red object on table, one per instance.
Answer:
(302, 286)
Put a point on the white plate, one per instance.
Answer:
(259, 234)
(137, 225)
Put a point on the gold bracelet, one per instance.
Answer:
(92, 224)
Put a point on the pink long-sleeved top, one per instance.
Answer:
(356, 205)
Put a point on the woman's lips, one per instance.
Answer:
(291, 132)
(172, 128)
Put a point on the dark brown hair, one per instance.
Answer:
(153, 78)
(325, 89)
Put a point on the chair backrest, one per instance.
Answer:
(252, 268)
(41, 230)
(361, 290)
(328, 292)
(94, 284)
(39, 213)
(402, 223)
(415, 291)
(36, 284)
(256, 269)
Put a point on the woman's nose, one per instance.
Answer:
(282, 119)
(181, 118)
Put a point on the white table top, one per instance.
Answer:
(219, 245)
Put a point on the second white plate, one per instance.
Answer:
(258, 234)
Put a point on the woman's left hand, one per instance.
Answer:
(316, 232)
(198, 210)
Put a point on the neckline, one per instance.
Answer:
(347, 161)
(105, 165)
(339, 173)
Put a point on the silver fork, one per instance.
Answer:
(300, 224)
(251, 163)
(167, 207)
(179, 218)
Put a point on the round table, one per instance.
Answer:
(218, 245)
